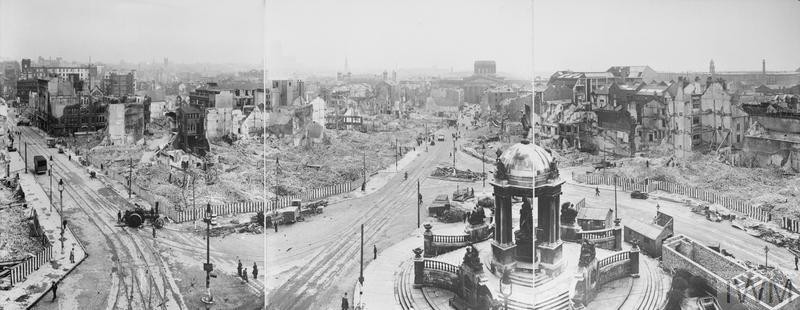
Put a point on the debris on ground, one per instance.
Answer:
(450, 172)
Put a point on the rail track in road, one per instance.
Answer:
(310, 285)
(130, 250)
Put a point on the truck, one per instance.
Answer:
(51, 143)
(39, 164)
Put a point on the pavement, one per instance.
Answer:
(39, 283)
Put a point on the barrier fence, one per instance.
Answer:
(644, 185)
(791, 224)
(613, 259)
(193, 214)
(440, 266)
(19, 272)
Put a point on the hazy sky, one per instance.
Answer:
(185, 31)
(674, 35)
(384, 34)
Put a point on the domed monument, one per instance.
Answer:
(528, 171)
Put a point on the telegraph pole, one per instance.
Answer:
(361, 277)
(616, 214)
(396, 150)
(26, 156)
(130, 177)
(364, 173)
(418, 203)
(208, 266)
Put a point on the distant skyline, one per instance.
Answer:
(377, 35)
(672, 36)
(184, 31)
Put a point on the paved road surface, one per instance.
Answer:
(323, 252)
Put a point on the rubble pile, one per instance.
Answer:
(15, 240)
(450, 172)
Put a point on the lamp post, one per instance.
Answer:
(61, 214)
(364, 173)
(506, 287)
(50, 172)
(483, 165)
(208, 266)
(361, 276)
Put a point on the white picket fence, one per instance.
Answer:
(791, 224)
(253, 207)
(629, 184)
(20, 271)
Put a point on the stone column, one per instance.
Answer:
(634, 257)
(617, 238)
(419, 268)
(428, 239)
(551, 245)
(503, 218)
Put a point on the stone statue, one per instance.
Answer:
(500, 173)
(526, 219)
(568, 214)
(472, 258)
(477, 216)
(587, 253)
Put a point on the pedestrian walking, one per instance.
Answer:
(345, 304)
(55, 287)
(255, 271)
(244, 275)
(154, 231)
(597, 191)
(375, 252)
(239, 268)
(119, 216)
(275, 224)
(795, 262)
(72, 256)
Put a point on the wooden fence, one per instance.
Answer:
(20, 271)
(252, 207)
(644, 185)
(791, 224)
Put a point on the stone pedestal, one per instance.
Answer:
(503, 255)
(428, 241)
(471, 281)
(524, 251)
(478, 233)
(419, 268)
(551, 260)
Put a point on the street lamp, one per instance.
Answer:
(208, 266)
(50, 172)
(61, 214)
(506, 286)
(483, 165)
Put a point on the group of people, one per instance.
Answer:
(243, 272)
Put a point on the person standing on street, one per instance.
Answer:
(154, 231)
(796, 259)
(119, 216)
(375, 252)
(275, 224)
(596, 191)
(255, 271)
(72, 256)
(345, 304)
(55, 287)
(239, 268)
(244, 275)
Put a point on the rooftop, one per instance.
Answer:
(593, 213)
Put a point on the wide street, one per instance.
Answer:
(312, 264)
(127, 268)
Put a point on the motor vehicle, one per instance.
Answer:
(23, 122)
(638, 195)
(51, 143)
(439, 205)
(440, 138)
(708, 303)
(40, 164)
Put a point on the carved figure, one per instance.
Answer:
(472, 258)
(568, 214)
(477, 216)
(526, 219)
(587, 253)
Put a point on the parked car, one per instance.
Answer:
(23, 122)
(638, 195)
(440, 138)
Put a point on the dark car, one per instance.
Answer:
(638, 195)
(23, 122)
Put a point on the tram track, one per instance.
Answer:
(98, 209)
